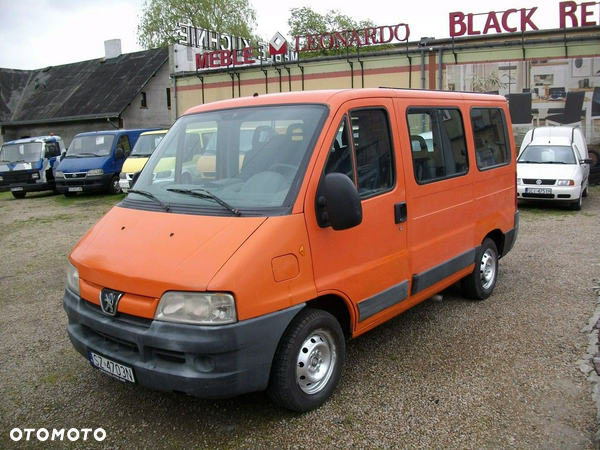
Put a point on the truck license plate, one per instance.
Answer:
(112, 368)
(75, 189)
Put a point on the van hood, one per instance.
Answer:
(547, 171)
(146, 253)
(21, 165)
(76, 164)
(134, 164)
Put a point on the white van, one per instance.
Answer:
(554, 165)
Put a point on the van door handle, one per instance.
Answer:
(400, 212)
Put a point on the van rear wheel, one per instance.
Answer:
(308, 362)
(480, 283)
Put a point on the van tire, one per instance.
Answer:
(480, 283)
(19, 194)
(114, 187)
(595, 157)
(312, 347)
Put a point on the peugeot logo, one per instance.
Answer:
(538, 182)
(109, 300)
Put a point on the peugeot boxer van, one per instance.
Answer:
(28, 164)
(339, 218)
(94, 160)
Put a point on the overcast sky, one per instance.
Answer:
(40, 33)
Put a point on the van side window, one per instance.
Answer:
(362, 150)
(437, 140)
(372, 150)
(124, 144)
(491, 137)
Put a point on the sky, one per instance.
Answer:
(39, 33)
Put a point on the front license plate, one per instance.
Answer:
(112, 368)
(75, 189)
(538, 190)
(16, 189)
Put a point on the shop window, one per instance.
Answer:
(437, 140)
(491, 137)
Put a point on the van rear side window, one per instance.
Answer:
(491, 137)
(439, 148)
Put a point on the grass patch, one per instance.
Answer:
(87, 199)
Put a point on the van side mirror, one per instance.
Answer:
(341, 202)
(589, 161)
(120, 154)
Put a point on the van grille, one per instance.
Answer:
(535, 180)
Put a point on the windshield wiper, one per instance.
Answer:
(205, 194)
(151, 196)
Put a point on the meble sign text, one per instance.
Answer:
(570, 14)
(217, 50)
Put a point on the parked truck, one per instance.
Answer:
(28, 164)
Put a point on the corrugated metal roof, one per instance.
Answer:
(78, 91)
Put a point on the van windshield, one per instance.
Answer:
(234, 161)
(27, 152)
(547, 154)
(85, 146)
(146, 144)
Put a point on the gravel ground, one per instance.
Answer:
(510, 372)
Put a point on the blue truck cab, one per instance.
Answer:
(94, 160)
(28, 164)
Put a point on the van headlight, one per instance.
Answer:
(565, 183)
(58, 174)
(198, 308)
(95, 172)
(73, 278)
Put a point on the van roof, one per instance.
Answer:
(339, 96)
(114, 132)
(48, 138)
(146, 133)
(554, 140)
(554, 132)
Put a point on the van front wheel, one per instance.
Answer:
(308, 362)
(480, 283)
(114, 187)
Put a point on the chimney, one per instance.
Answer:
(112, 48)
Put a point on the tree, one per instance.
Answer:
(159, 19)
(304, 21)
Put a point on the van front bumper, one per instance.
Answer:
(549, 193)
(80, 182)
(27, 187)
(208, 362)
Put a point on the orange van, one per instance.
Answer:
(349, 207)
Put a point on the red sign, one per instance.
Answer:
(225, 58)
(353, 38)
(511, 21)
(517, 20)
